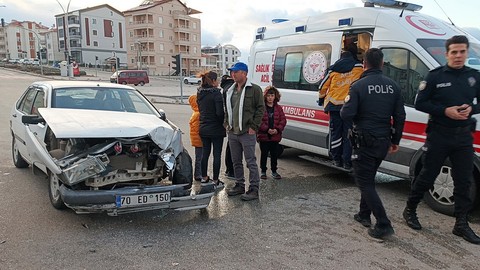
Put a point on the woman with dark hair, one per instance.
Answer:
(212, 132)
(270, 131)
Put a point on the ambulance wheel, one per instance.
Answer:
(440, 196)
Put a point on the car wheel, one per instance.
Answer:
(18, 160)
(440, 196)
(54, 191)
(183, 172)
(124, 83)
(185, 81)
(142, 83)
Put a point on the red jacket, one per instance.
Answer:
(279, 122)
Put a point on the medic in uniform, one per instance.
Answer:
(374, 100)
(447, 96)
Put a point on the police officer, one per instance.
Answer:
(373, 101)
(447, 96)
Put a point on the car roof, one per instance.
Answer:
(62, 84)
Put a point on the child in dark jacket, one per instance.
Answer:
(270, 132)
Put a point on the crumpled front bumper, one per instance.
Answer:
(97, 201)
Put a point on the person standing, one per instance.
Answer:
(448, 95)
(226, 82)
(195, 139)
(244, 111)
(333, 90)
(212, 132)
(374, 100)
(270, 131)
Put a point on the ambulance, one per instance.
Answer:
(293, 55)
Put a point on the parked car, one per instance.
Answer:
(13, 61)
(36, 62)
(104, 148)
(134, 77)
(192, 80)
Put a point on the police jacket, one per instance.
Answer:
(210, 105)
(336, 82)
(445, 87)
(373, 101)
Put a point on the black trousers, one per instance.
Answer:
(217, 143)
(458, 147)
(265, 148)
(365, 162)
(228, 160)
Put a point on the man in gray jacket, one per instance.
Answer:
(244, 106)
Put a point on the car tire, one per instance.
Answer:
(183, 171)
(54, 185)
(124, 83)
(142, 83)
(18, 160)
(440, 196)
(185, 81)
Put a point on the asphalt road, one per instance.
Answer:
(303, 221)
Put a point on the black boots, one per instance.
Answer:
(462, 229)
(410, 216)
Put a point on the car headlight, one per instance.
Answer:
(168, 157)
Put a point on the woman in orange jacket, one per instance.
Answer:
(195, 139)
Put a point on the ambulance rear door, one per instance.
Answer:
(299, 65)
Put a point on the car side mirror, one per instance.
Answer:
(32, 119)
(163, 115)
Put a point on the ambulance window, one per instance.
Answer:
(406, 69)
(293, 65)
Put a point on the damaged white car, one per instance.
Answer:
(104, 148)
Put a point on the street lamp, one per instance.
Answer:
(65, 33)
(139, 54)
(39, 47)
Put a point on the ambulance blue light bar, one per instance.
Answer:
(302, 28)
(394, 4)
(345, 22)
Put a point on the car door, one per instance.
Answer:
(34, 99)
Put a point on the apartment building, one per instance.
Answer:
(92, 35)
(158, 30)
(224, 57)
(23, 39)
(53, 53)
(3, 43)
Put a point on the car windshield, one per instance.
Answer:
(101, 98)
(436, 48)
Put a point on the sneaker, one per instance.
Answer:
(218, 184)
(381, 232)
(236, 190)
(252, 194)
(338, 163)
(263, 175)
(204, 181)
(347, 166)
(275, 175)
(366, 222)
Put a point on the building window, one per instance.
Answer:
(162, 48)
(131, 34)
(170, 38)
(194, 25)
(162, 60)
(194, 37)
(194, 50)
(95, 32)
(170, 25)
(132, 61)
(113, 45)
(226, 51)
(226, 58)
(132, 47)
(111, 13)
(160, 20)
(94, 21)
(161, 34)
(95, 43)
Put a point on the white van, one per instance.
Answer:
(293, 56)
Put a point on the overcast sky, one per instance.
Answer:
(234, 22)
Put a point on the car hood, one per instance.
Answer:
(73, 123)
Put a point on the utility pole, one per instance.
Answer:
(65, 38)
(180, 75)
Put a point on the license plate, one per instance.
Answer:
(142, 199)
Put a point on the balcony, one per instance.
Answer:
(144, 38)
(182, 41)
